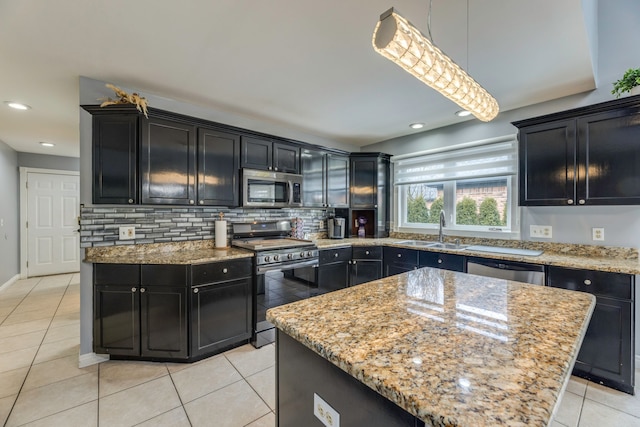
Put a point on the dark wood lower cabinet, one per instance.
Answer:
(607, 352)
(443, 261)
(221, 315)
(366, 264)
(333, 269)
(399, 260)
(152, 312)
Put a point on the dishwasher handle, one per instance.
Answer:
(506, 265)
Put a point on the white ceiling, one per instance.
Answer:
(304, 66)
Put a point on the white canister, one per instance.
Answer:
(221, 234)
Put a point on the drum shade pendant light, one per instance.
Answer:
(397, 39)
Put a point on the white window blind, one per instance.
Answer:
(476, 161)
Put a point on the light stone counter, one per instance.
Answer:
(449, 348)
(583, 257)
(196, 252)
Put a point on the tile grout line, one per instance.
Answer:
(179, 397)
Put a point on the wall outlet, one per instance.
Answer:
(541, 231)
(597, 233)
(127, 232)
(324, 412)
(321, 225)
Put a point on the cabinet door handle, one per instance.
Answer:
(202, 202)
(581, 202)
(366, 252)
(587, 282)
(224, 270)
(134, 289)
(269, 167)
(399, 255)
(275, 169)
(142, 290)
(354, 261)
(570, 201)
(375, 206)
(195, 291)
(130, 200)
(335, 255)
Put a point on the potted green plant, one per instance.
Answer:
(630, 82)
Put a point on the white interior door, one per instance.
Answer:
(52, 224)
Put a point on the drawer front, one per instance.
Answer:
(613, 285)
(221, 271)
(400, 255)
(335, 255)
(116, 274)
(367, 252)
(164, 274)
(442, 260)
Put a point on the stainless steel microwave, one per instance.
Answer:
(266, 189)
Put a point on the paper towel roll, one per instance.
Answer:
(221, 234)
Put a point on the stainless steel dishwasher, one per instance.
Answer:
(509, 270)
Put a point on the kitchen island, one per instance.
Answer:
(429, 346)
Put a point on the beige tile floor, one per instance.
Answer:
(41, 384)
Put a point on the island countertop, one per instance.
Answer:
(450, 348)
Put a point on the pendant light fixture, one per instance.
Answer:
(397, 39)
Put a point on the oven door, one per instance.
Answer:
(276, 285)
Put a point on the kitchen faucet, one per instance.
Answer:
(442, 224)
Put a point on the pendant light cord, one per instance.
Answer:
(429, 22)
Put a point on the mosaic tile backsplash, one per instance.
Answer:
(99, 226)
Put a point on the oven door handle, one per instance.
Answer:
(261, 269)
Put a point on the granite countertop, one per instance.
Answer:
(584, 257)
(197, 252)
(450, 348)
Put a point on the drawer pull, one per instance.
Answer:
(587, 282)
(399, 255)
(335, 255)
(224, 270)
(195, 291)
(142, 290)
(366, 252)
(439, 261)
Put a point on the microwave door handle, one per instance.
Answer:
(290, 185)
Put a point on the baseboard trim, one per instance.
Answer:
(89, 359)
(9, 282)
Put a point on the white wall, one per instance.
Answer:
(9, 214)
(43, 161)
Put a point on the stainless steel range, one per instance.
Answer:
(278, 256)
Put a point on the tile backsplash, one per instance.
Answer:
(99, 226)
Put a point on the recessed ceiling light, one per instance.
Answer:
(416, 125)
(47, 144)
(17, 105)
(463, 113)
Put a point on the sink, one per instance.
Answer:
(421, 243)
(452, 246)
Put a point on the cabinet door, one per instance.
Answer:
(609, 146)
(116, 320)
(365, 270)
(313, 181)
(286, 158)
(115, 147)
(218, 168)
(547, 164)
(442, 260)
(168, 162)
(606, 351)
(337, 186)
(221, 315)
(333, 276)
(256, 153)
(364, 182)
(164, 321)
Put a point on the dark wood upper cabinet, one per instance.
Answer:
(218, 168)
(586, 156)
(364, 182)
(168, 162)
(266, 154)
(115, 146)
(325, 179)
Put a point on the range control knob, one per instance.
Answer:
(267, 258)
(309, 253)
(276, 257)
(301, 254)
(290, 256)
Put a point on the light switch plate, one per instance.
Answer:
(541, 231)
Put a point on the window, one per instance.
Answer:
(474, 185)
